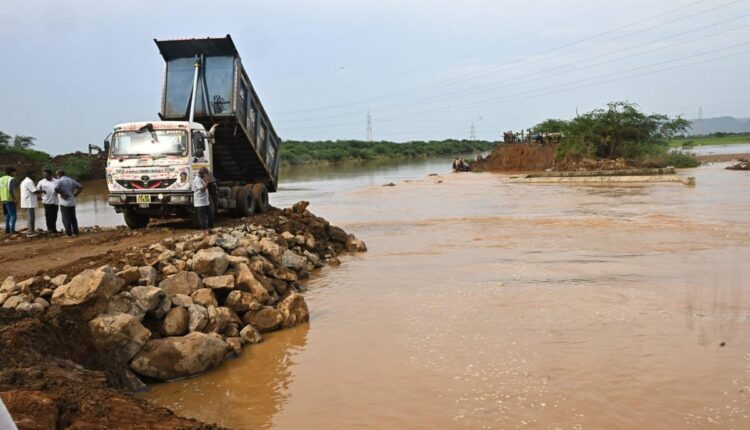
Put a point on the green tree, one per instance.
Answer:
(4, 139)
(550, 126)
(21, 141)
(620, 130)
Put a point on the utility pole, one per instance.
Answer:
(369, 126)
(472, 134)
(700, 121)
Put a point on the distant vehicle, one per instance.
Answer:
(210, 117)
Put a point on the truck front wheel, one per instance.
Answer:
(261, 196)
(135, 220)
(246, 202)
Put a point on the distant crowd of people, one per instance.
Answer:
(527, 136)
(57, 192)
(459, 165)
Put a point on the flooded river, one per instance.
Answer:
(484, 304)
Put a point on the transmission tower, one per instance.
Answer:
(472, 133)
(700, 121)
(369, 126)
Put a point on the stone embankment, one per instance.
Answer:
(170, 310)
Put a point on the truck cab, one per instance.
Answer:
(151, 165)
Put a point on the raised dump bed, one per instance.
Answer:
(246, 147)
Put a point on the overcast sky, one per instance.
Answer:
(426, 69)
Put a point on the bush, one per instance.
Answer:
(300, 152)
(677, 159)
(78, 168)
(30, 154)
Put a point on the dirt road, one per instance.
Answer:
(22, 257)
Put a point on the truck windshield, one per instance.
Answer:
(155, 143)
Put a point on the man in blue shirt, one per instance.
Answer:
(68, 189)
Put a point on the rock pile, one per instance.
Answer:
(181, 306)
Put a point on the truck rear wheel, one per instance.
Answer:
(246, 202)
(134, 220)
(261, 196)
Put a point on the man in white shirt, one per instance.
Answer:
(49, 199)
(28, 202)
(200, 198)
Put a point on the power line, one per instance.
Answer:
(485, 71)
(557, 88)
(483, 88)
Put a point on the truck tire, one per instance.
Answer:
(261, 196)
(246, 202)
(135, 220)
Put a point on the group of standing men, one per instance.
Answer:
(55, 190)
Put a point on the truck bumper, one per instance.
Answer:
(157, 203)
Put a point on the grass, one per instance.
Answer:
(720, 139)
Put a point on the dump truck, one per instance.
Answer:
(210, 117)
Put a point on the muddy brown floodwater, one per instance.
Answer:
(483, 304)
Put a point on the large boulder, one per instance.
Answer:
(219, 282)
(225, 241)
(242, 301)
(176, 322)
(197, 317)
(265, 320)
(270, 249)
(293, 261)
(182, 300)
(149, 295)
(246, 281)
(59, 280)
(130, 275)
(210, 262)
(218, 318)
(9, 286)
(13, 302)
(355, 245)
(293, 310)
(336, 234)
(120, 335)
(250, 335)
(126, 302)
(148, 275)
(204, 297)
(179, 357)
(89, 291)
(181, 283)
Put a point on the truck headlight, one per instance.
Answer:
(109, 179)
(123, 198)
(179, 198)
(183, 177)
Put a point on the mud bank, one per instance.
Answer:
(533, 157)
(74, 345)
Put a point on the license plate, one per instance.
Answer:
(143, 200)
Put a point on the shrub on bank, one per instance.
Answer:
(621, 130)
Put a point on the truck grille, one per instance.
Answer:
(148, 185)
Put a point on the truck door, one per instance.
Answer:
(201, 153)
